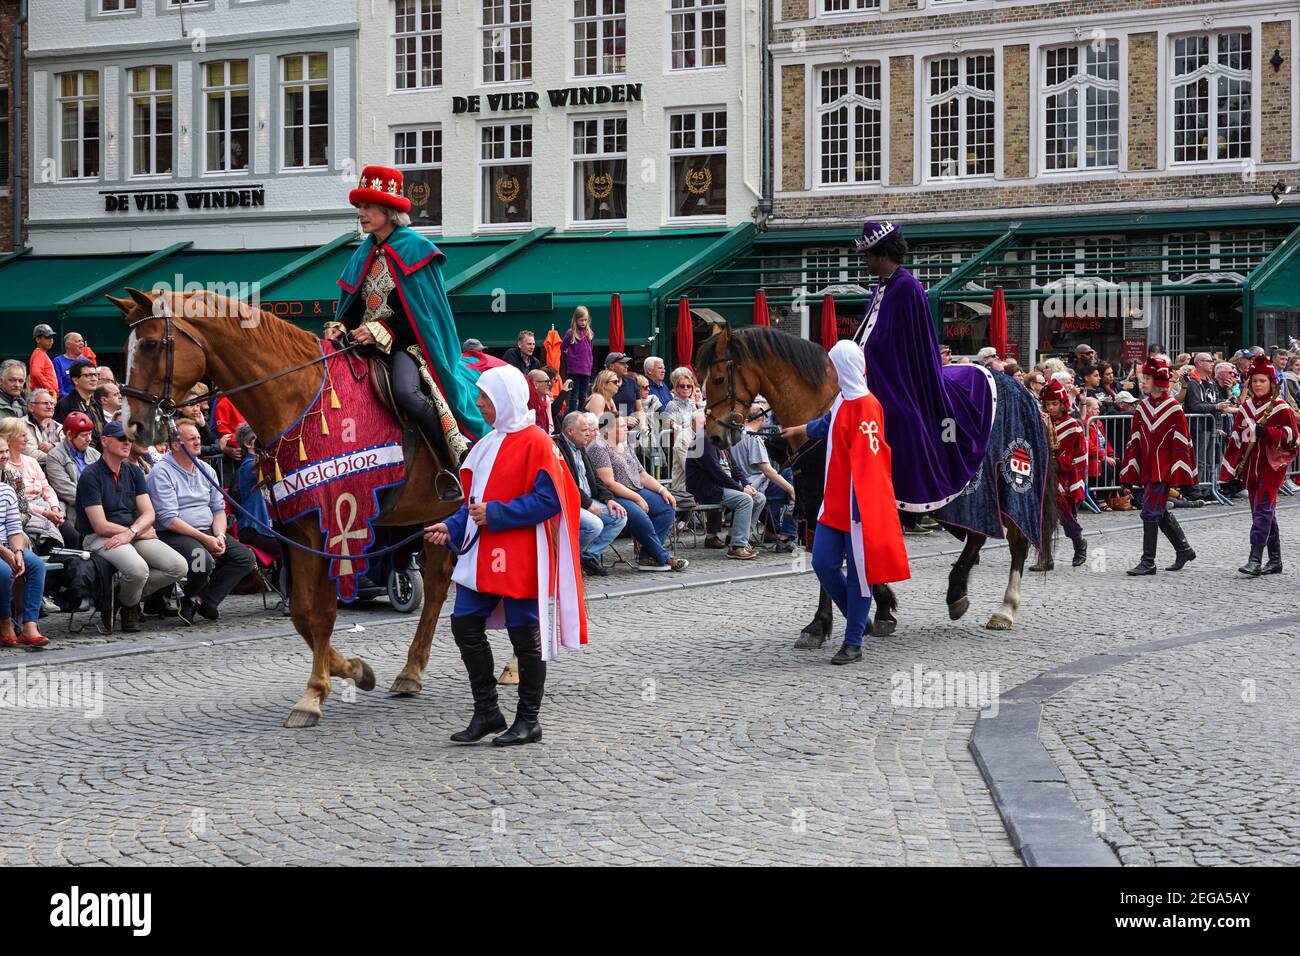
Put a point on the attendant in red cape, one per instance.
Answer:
(1159, 455)
(518, 565)
(1260, 449)
(858, 518)
(1071, 465)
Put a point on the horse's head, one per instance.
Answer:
(164, 360)
(730, 383)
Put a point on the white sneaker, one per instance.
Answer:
(649, 564)
(49, 606)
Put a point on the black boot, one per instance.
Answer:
(1150, 536)
(447, 483)
(1080, 552)
(1251, 566)
(532, 683)
(471, 637)
(1174, 532)
(1274, 565)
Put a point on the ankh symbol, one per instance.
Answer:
(346, 533)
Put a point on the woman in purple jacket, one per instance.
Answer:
(576, 347)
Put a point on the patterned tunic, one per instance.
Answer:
(1261, 465)
(1159, 450)
(1071, 459)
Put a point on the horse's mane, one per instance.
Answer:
(761, 343)
(218, 307)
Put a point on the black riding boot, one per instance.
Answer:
(532, 682)
(447, 484)
(1080, 552)
(471, 637)
(1274, 565)
(1252, 566)
(1150, 536)
(1174, 532)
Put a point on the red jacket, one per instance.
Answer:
(1261, 465)
(40, 372)
(1071, 458)
(1159, 450)
(225, 418)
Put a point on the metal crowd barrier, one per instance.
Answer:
(1208, 434)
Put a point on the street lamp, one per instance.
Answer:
(1279, 190)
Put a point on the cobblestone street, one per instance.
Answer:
(690, 731)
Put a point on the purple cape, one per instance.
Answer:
(938, 418)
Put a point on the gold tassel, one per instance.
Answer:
(279, 475)
(302, 451)
(324, 425)
(334, 398)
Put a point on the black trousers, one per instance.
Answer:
(408, 389)
(211, 578)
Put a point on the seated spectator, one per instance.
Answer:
(559, 402)
(45, 514)
(650, 507)
(655, 370)
(191, 512)
(1125, 404)
(539, 398)
(196, 412)
(225, 420)
(603, 388)
(106, 375)
(18, 559)
(13, 384)
(43, 429)
(751, 465)
(108, 401)
(1035, 381)
(115, 518)
(602, 518)
(710, 485)
(253, 524)
(85, 379)
(69, 458)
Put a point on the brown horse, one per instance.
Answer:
(235, 345)
(792, 375)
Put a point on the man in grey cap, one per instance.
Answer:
(40, 370)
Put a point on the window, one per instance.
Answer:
(1093, 257)
(846, 6)
(1206, 256)
(1241, 252)
(4, 139)
(1212, 97)
(1081, 106)
(79, 125)
(697, 155)
(600, 168)
(825, 266)
(418, 154)
(116, 6)
(1187, 255)
(151, 121)
(507, 40)
(599, 37)
(226, 94)
(961, 108)
(306, 110)
(699, 34)
(931, 265)
(848, 123)
(506, 177)
(417, 43)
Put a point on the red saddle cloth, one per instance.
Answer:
(335, 460)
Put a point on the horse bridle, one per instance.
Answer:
(735, 422)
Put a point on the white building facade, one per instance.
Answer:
(230, 124)
(508, 115)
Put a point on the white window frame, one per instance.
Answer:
(1213, 72)
(696, 150)
(575, 158)
(1214, 254)
(962, 92)
(154, 96)
(921, 260)
(306, 83)
(507, 26)
(848, 7)
(1073, 248)
(605, 32)
(225, 92)
(432, 39)
(434, 146)
(508, 160)
(697, 9)
(80, 99)
(850, 102)
(119, 6)
(1082, 81)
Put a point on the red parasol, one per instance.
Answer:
(830, 324)
(760, 309)
(685, 333)
(615, 323)
(998, 322)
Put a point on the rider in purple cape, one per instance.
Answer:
(938, 418)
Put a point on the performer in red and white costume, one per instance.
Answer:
(859, 517)
(519, 565)
(1260, 449)
(1159, 455)
(1071, 469)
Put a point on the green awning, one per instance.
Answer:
(1275, 285)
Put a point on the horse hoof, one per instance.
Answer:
(957, 608)
(402, 686)
(999, 622)
(810, 641)
(301, 718)
(509, 677)
(883, 628)
(367, 680)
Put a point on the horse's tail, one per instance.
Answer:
(1051, 511)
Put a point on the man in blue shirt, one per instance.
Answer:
(602, 518)
(628, 397)
(73, 347)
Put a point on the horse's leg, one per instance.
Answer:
(958, 602)
(313, 607)
(1005, 616)
(818, 629)
(886, 603)
(437, 581)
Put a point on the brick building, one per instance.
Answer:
(1111, 146)
(9, 131)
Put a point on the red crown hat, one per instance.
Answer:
(1260, 365)
(1158, 369)
(382, 186)
(1053, 391)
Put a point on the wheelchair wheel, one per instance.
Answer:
(405, 590)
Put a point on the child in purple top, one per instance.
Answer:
(576, 347)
